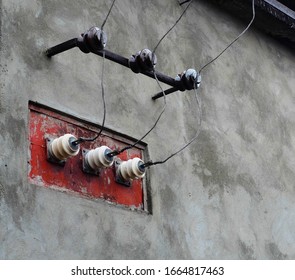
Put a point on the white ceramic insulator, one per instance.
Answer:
(61, 148)
(130, 170)
(191, 74)
(97, 158)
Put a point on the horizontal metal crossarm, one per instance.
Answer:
(177, 85)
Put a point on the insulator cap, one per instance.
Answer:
(190, 79)
(143, 60)
(98, 158)
(132, 169)
(62, 148)
(92, 40)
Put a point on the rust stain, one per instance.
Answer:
(70, 177)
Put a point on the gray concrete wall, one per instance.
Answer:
(230, 195)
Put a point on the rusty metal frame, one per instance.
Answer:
(88, 125)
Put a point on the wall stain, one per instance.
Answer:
(133, 245)
(248, 183)
(169, 199)
(246, 251)
(215, 175)
(208, 157)
(19, 197)
(218, 177)
(274, 253)
(172, 232)
(2, 191)
(21, 203)
(16, 130)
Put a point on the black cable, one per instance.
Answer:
(104, 22)
(155, 124)
(198, 100)
(117, 152)
(172, 27)
(82, 139)
(184, 2)
(241, 34)
(151, 163)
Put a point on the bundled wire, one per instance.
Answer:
(151, 163)
(199, 105)
(105, 20)
(82, 139)
(236, 39)
(117, 152)
(172, 27)
(164, 95)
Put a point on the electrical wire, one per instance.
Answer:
(157, 120)
(151, 163)
(154, 125)
(199, 105)
(117, 152)
(181, 3)
(171, 28)
(105, 20)
(237, 38)
(82, 139)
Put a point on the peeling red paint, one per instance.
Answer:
(44, 123)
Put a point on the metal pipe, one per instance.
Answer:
(167, 91)
(62, 47)
(113, 57)
(125, 62)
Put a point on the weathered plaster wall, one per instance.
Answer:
(231, 195)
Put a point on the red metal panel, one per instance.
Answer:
(45, 122)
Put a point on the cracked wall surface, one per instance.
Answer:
(230, 195)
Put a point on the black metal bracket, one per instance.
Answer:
(93, 41)
(50, 157)
(113, 57)
(118, 177)
(190, 79)
(167, 92)
(85, 167)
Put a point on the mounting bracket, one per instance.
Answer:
(118, 178)
(50, 157)
(86, 43)
(86, 168)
